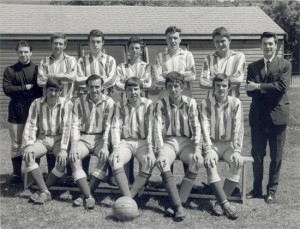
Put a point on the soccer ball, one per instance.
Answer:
(125, 209)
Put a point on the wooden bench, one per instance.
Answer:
(114, 190)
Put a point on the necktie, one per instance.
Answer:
(268, 67)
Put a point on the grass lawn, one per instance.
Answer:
(16, 212)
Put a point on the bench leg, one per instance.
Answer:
(244, 182)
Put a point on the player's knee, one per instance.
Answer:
(233, 177)
(78, 174)
(212, 176)
(116, 163)
(163, 164)
(31, 167)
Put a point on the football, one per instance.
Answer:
(125, 209)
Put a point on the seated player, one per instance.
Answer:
(132, 136)
(177, 135)
(223, 129)
(134, 67)
(92, 115)
(50, 117)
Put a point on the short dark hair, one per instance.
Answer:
(269, 35)
(174, 77)
(135, 40)
(23, 43)
(220, 77)
(57, 36)
(94, 77)
(53, 82)
(133, 81)
(96, 33)
(221, 31)
(172, 29)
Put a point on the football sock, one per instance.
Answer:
(122, 181)
(169, 181)
(51, 179)
(17, 165)
(229, 186)
(187, 185)
(84, 187)
(37, 177)
(218, 191)
(138, 183)
(94, 183)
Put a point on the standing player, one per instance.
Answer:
(50, 117)
(92, 116)
(95, 63)
(59, 65)
(134, 67)
(20, 84)
(223, 129)
(268, 81)
(175, 59)
(223, 60)
(132, 136)
(177, 134)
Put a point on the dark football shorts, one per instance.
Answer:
(18, 112)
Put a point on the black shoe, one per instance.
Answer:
(179, 214)
(253, 194)
(270, 198)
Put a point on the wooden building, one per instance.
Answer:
(35, 23)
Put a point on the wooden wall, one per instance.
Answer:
(251, 48)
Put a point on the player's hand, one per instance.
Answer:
(237, 159)
(161, 163)
(114, 156)
(251, 86)
(197, 157)
(28, 153)
(73, 155)
(150, 159)
(28, 86)
(211, 159)
(62, 158)
(103, 154)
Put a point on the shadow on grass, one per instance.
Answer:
(8, 189)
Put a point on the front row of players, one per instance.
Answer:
(139, 128)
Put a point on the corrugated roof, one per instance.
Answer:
(46, 19)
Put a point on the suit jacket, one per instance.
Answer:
(271, 100)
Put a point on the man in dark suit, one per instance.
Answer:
(268, 80)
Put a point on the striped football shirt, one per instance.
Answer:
(66, 68)
(233, 66)
(133, 122)
(92, 118)
(222, 122)
(141, 70)
(172, 120)
(182, 62)
(48, 121)
(104, 66)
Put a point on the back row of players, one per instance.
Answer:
(77, 117)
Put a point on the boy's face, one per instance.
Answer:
(173, 41)
(174, 89)
(58, 46)
(94, 87)
(52, 94)
(135, 50)
(24, 54)
(96, 43)
(222, 44)
(269, 47)
(133, 94)
(221, 89)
